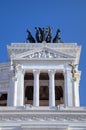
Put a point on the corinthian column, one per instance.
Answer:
(36, 88)
(51, 88)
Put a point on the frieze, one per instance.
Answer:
(45, 117)
(31, 114)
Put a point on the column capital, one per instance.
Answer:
(18, 68)
(67, 70)
(67, 67)
(36, 71)
(51, 71)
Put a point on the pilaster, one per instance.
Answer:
(68, 90)
(20, 86)
(75, 84)
(10, 99)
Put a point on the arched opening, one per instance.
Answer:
(3, 99)
(44, 89)
(59, 84)
(28, 85)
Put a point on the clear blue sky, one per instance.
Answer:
(68, 15)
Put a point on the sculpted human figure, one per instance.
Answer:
(73, 71)
(30, 37)
(44, 32)
(57, 37)
(41, 34)
(49, 36)
(38, 34)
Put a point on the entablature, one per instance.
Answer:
(41, 114)
(60, 51)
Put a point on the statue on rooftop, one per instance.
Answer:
(57, 36)
(30, 37)
(43, 34)
(38, 34)
(49, 36)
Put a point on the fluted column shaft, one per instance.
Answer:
(75, 82)
(51, 88)
(36, 88)
(68, 91)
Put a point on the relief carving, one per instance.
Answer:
(41, 117)
(45, 54)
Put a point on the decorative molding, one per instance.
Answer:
(66, 49)
(65, 117)
(44, 52)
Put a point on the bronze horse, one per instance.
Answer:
(30, 37)
(57, 37)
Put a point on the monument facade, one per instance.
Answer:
(39, 86)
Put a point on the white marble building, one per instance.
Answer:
(39, 89)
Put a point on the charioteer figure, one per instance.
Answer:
(43, 34)
(49, 36)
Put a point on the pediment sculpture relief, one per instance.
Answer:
(46, 54)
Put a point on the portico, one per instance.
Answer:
(43, 77)
(42, 85)
(39, 88)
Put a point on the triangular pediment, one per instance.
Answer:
(43, 53)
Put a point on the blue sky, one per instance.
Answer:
(68, 15)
